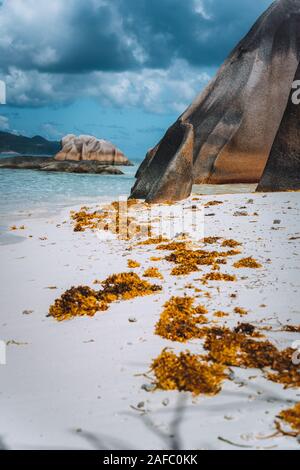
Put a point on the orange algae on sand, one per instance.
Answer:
(77, 301)
(213, 203)
(172, 246)
(114, 218)
(153, 272)
(133, 264)
(184, 269)
(291, 416)
(287, 373)
(125, 286)
(291, 328)
(84, 220)
(242, 347)
(155, 258)
(153, 241)
(82, 300)
(217, 276)
(236, 349)
(231, 243)
(188, 260)
(187, 372)
(240, 311)
(210, 240)
(225, 254)
(248, 329)
(247, 263)
(220, 314)
(180, 319)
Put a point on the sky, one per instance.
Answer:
(122, 70)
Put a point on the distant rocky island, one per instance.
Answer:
(74, 154)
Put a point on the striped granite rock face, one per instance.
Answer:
(89, 148)
(282, 171)
(227, 133)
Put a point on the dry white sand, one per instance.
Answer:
(77, 384)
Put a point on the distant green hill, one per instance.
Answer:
(27, 145)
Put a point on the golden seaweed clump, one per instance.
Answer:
(186, 260)
(247, 263)
(228, 253)
(77, 301)
(189, 260)
(220, 314)
(82, 300)
(129, 203)
(286, 371)
(231, 243)
(133, 264)
(114, 218)
(292, 417)
(213, 203)
(240, 311)
(291, 328)
(153, 272)
(184, 269)
(172, 246)
(217, 276)
(237, 349)
(210, 240)
(248, 329)
(180, 319)
(187, 372)
(88, 220)
(153, 241)
(125, 286)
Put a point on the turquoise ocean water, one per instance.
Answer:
(42, 194)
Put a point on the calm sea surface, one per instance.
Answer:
(42, 194)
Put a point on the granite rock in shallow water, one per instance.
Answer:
(49, 164)
(89, 148)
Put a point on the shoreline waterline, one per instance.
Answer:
(54, 206)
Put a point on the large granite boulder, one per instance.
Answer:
(86, 147)
(282, 171)
(226, 135)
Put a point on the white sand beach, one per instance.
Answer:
(79, 384)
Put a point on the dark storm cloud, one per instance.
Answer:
(150, 54)
(82, 36)
(160, 30)
(96, 42)
(77, 36)
(201, 32)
